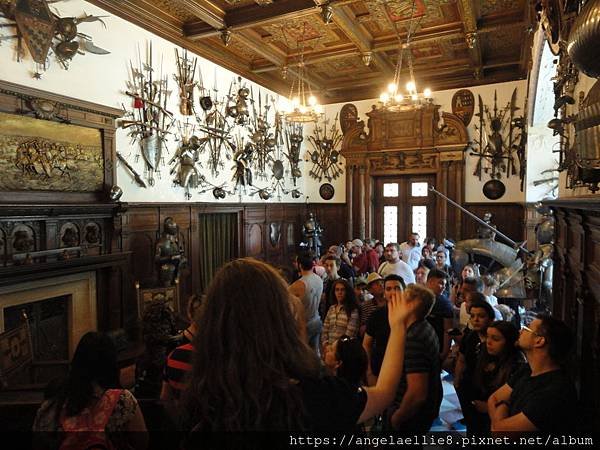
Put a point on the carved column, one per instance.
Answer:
(349, 202)
(362, 183)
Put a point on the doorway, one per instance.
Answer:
(403, 204)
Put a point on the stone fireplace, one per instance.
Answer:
(77, 291)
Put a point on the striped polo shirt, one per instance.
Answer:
(179, 364)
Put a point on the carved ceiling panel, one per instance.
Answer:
(266, 35)
(489, 7)
(342, 67)
(308, 31)
(228, 5)
(176, 8)
(503, 42)
(237, 46)
(373, 15)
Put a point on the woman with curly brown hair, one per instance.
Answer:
(252, 371)
(342, 317)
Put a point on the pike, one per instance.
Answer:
(136, 175)
(513, 108)
(477, 171)
(516, 245)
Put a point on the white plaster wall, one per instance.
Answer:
(541, 141)
(101, 79)
(473, 186)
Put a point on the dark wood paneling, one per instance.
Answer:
(577, 294)
(142, 225)
(509, 218)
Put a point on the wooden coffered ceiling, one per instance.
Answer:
(456, 43)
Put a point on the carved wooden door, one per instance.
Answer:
(403, 204)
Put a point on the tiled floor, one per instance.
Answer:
(450, 412)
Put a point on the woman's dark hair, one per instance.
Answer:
(504, 363)
(353, 358)
(247, 354)
(194, 303)
(350, 303)
(94, 362)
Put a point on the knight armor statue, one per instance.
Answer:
(169, 254)
(485, 232)
(541, 263)
(311, 230)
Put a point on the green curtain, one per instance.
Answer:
(218, 243)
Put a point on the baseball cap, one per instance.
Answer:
(357, 243)
(373, 276)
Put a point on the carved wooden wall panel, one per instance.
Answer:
(142, 225)
(405, 143)
(42, 233)
(577, 294)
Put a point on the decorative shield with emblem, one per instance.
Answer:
(274, 233)
(36, 23)
(463, 105)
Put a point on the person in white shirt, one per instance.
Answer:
(411, 251)
(393, 264)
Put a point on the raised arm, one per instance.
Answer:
(382, 394)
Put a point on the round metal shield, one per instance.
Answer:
(206, 103)
(494, 189)
(326, 191)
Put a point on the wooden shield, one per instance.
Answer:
(348, 117)
(36, 23)
(463, 105)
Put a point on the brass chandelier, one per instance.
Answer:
(303, 106)
(394, 98)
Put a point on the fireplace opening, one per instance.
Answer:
(48, 324)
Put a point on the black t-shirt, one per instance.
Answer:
(442, 309)
(421, 355)
(378, 328)
(548, 400)
(470, 347)
(332, 404)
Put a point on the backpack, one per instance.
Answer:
(86, 431)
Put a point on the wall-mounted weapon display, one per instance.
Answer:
(261, 135)
(186, 71)
(185, 160)
(46, 32)
(292, 137)
(237, 102)
(500, 134)
(136, 176)
(213, 121)
(242, 172)
(149, 121)
(325, 155)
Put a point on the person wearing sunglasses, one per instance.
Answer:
(541, 397)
